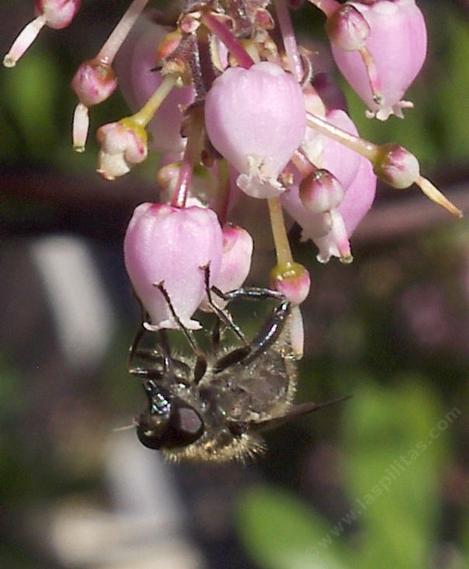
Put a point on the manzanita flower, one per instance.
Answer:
(256, 119)
(171, 247)
(235, 263)
(329, 154)
(123, 144)
(330, 223)
(397, 44)
(56, 14)
(345, 219)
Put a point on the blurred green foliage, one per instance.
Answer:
(394, 450)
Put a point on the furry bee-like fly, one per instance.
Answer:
(213, 407)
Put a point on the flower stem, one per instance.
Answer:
(289, 40)
(277, 221)
(363, 147)
(147, 112)
(194, 138)
(112, 45)
(217, 27)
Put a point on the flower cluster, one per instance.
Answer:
(232, 104)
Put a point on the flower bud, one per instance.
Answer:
(94, 82)
(397, 45)
(292, 280)
(321, 191)
(171, 246)
(396, 166)
(256, 119)
(347, 28)
(123, 144)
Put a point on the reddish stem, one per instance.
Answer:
(229, 39)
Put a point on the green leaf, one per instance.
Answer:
(394, 440)
(280, 532)
(31, 97)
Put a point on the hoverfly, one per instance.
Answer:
(213, 407)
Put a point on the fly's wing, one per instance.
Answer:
(255, 391)
(295, 412)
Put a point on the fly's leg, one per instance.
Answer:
(222, 315)
(269, 332)
(201, 361)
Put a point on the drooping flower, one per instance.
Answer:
(56, 14)
(236, 260)
(357, 201)
(397, 44)
(170, 246)
(330, 224)
(256, 119)
(235, 264)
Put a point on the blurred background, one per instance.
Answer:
(381, 481)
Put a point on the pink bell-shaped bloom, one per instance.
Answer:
(56, 14)
(138, 80)
(359, 196)
(236, 260)
(397, 43)
(235, 264)
(331, 229)
(338, 159)
(123, 144)
(256, 119)
(171, 246)
(344, 220)
(329, 154)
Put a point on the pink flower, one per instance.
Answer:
(170, 245)
(331, 229)
(353, 208)
(236, 260)
(329, 154)
(256, 119)
(56, 14)
(123, 144)
(397, 44)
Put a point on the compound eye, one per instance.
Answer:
(152, 429)
(185, 426)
